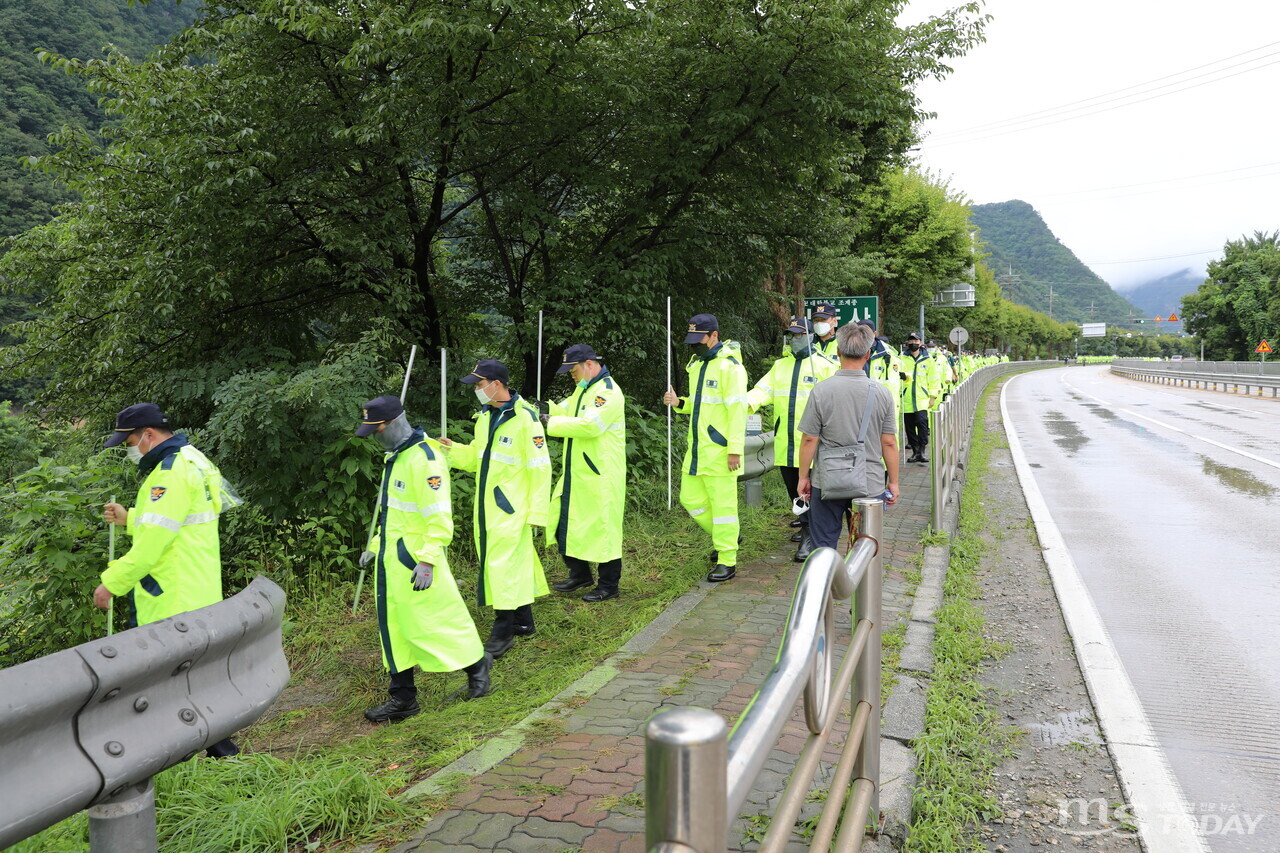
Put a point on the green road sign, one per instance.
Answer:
(851, 308)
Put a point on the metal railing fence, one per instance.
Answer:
(1229, 376)
(699, 774)
(951, 427)
(88, 727)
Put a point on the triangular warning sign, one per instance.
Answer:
(1173, 318)
(1263, 347)
(1159, 319)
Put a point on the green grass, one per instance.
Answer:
(253, 802)
(337, 672)
(963, 739)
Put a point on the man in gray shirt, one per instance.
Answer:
(832, 419)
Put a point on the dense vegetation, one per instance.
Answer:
(37, 100)
(1016, 237)
(1238, 306)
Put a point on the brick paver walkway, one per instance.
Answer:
(576, 781)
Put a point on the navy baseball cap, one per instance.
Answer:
(868, 322)
(914, 336)
(826, 309)
(700, 325)
(137, 416)
(491, 369)
(378, 411)
(577, 354)
(799, 326)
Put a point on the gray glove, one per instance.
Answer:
(366, 558)
(422, 576)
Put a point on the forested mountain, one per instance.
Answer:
(1164, 295)
(37, 99)
(1016, 237)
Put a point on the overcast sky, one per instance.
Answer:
(1168, 165)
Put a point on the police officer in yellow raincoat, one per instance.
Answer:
(717, 410)
(174, 564)
(422, 620)
(826, 319)
(786, 387)
(513, 495)
(920, 392)
(589, 499)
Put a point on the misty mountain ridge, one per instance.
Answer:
(1028, 260)
(1163, 295)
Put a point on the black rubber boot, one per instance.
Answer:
(806, 546)
(403, 702)
(579, 575)
(478, 683)
(721, 573)
(225, 748)
(524, 621)
(610, 575)
(502, 635)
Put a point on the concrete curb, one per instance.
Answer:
(902, 719)
(497, 749)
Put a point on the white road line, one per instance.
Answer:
(1255, 457)
(1164, 822)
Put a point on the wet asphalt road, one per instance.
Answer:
(1178, 542)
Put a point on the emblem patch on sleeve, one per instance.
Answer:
(435, 482)
(600, 401)
(157, 492)
(539, 441)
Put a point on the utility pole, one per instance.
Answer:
(1051, 302)
(1010, 282)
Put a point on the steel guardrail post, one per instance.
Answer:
(125, 823)
(866, 679)
(686, 763)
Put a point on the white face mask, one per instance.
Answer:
(482, 396)
(821, 329)
(135, 452)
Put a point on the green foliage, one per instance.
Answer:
(251, 803)
(54, 547)
(284, 173)
(36, 100)
(1238, 306)
(1015, 235)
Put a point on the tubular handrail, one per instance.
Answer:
(698, 776)
(760, 724)
(1171, 374)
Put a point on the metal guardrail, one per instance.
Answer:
(87, 727)
(1230, 376)
(951, 426)
(757, 460)
(698, 774)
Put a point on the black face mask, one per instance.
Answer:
(914, 346)
(701, 349)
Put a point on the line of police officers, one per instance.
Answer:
(174, 562)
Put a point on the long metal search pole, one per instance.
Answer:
(111, 558)
(444, 396)
(669, 388)
(539, 394)
(373, 520)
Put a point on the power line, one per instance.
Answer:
(1101, 108)
(1041, 113)
(1165, 180)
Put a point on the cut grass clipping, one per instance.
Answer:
(962, 741)
(250, 803)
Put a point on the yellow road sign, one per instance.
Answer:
(1263, 347)
(1173, 318)
(1159, 319)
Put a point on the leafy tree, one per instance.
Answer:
(1238, 306)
